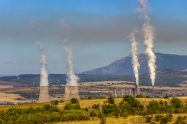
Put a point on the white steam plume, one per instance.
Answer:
(134, 53)
(43, 72)
(72, 79)
(148, 32)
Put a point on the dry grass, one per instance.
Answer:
(22, 106)
(88, 103)
(6, 97)
(110, 120)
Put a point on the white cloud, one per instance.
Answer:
(8, 61)
(62, 22)
(34, 22)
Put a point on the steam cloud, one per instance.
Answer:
(134, 53)
(72, 79)
(43, 72)
(148, 32)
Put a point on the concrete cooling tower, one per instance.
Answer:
(44, 94)
(71, 92)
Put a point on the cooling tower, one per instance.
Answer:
(71, 92)
(44, 94)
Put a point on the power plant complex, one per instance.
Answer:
(44, 94)
(71, 92)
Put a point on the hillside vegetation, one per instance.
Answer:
(164, 77)
(99, 111)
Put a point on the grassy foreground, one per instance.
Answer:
(112, 118)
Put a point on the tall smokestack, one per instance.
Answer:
(71, 88)
(153, 92)
(135, 63)
(44, 92)
(148, 32)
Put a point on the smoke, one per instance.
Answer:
(134, 53)
(148, 32)
(72, 79)
(43, 71)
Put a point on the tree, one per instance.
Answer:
(111, 100)
(74, 100)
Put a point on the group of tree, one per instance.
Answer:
(154, 112)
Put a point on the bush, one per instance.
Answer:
(153, 107)
(89, 97)
(166, 97)
(109, 109)
(76, 106)
(166, 119)
(61, 101)
(180, 120)
(93, 113)
(176, 102)
(70, 106)
(111, 100)
(74, 100)
(148, 119)
(56, 102)
(158, 118)
(86, 109)
(102, 118)
(46, 107)
(95, 106)
(139, 96)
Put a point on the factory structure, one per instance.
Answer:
(71, 92)
(93, 89)
(44, 94)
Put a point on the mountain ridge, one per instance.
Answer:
(123, 66)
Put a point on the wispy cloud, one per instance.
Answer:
(63, 23)
(34, 22)
(8, 61)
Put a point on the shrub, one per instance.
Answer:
(158, 118)
(61, 101)
(93, 113)
(166, 119)
(86, 109)
(111, 100)
(109, 109)
(180, 120)
(176, 102)
(68, 106)
(74, 115)
(46, 107)
(148, 119)
(153, 107)
(56, 102)
(76, 106)
(89, 97)
(95, 106)
(102, 118)
(139, 96)
(74, 100)
(166, 97)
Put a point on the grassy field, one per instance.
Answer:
(109, 120)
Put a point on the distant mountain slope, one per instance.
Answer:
(124, 66)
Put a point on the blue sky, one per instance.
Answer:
(96, 30)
